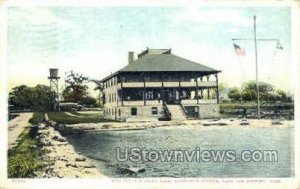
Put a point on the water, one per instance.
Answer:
(102, 145)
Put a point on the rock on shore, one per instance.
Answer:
(64, 162)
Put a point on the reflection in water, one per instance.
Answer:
(101, 147)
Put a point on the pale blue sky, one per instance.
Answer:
(95, 41)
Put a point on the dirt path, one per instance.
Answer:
(70, 114)
(16, 127)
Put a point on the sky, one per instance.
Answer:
(95, 41)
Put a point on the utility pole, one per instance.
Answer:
(256, 65)
(278, 46)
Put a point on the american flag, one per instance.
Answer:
(239, 51)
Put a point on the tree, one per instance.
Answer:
(21, 97)
(88, 101)
(76, 88)
(266, 91)
(234, 94)
(36, 98)
(41, 97)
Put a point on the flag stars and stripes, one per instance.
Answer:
(239, 51)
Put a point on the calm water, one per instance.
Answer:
(102, 145)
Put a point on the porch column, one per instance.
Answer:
(162, 86)
(144, 92)
(122, 95)
(208, 95)
(180, 87)
(197, 95)
(217, 81)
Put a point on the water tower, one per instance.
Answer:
(54, 95)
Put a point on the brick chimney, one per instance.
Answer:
(130, 57)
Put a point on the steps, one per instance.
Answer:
(176, 112)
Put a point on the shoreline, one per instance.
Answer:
(67, 163)
(64, 161)
(126, 126)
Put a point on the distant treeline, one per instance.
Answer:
(248, 93)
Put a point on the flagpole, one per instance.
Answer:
(256, 65)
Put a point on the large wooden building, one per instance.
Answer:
(160, 85)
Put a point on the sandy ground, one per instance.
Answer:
(16, 127)
(65, 162)
(108, 126)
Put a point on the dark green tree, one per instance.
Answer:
(234, 94)
(88, 101)
(21, 96)
(41, 97)
(36, 98)
(76, 88)
(266, 91)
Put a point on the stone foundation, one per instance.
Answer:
(123, 113)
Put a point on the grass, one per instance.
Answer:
(86, 114)
(37, 117)
(25, 159)
(62, 117)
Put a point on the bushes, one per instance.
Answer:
(37, 118)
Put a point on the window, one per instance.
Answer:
(119, 112)
(133, 111)
(154, 110)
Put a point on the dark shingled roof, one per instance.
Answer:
(165, 62)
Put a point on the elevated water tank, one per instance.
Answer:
(53, 72)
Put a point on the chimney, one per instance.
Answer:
(130, 57)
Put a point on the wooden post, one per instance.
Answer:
(180, 87)
(144, 92)
(217, 81)
(122, 95)
(197, 91)
(208, 95)
(162, 86)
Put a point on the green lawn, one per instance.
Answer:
(26, 158)
(98, 113)
(37, 117)
(62, 117)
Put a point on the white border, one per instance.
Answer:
(115, 183)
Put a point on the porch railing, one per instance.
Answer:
(184, 110)
(166, 110)
(139, 84)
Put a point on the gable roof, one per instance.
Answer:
(165, 63)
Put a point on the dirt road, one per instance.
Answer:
(16, 126)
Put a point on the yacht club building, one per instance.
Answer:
(163, 86)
